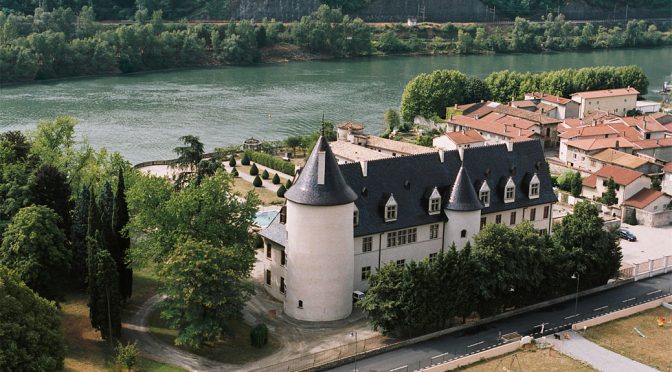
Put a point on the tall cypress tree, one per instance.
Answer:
(106, 210)
(49, 187)
(123, 243)
(78, 236)
(105, 309)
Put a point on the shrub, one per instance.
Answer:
(257, 181)
(265, 174)
(271, 161)
(127, 355)
(234, 172)
(281, 191)
(288, 184)
(245, 160)
(259, 335)
(254, 170)
(276, 179)
(631, 218)
(232, 161)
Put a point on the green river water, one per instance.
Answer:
(142, 115)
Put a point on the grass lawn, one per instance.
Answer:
(233, 348)
(619, 336)
(85, 350)
(530, 359)
(267, 197)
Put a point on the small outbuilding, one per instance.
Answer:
(251, 144)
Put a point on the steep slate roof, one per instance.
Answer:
(334, 191)
(412, 178)
(463, 196)
(643, 198)
(275, 231)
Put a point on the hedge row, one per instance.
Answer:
(271, 162)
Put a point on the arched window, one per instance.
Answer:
(463, 234)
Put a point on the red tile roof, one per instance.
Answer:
(668, 168)
(469, 136)
(653, 143)
(607, 93)
(591, 131)
(490, 127)
(599, 143)
(621, 176)
(550, 98)
(643, 198)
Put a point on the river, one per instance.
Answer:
(142, 115)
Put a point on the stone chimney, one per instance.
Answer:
(365, 167)
(441, 155)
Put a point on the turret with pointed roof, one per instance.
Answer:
(463, 196)
(320, 182)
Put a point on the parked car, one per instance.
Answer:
(357, 295)
(627, 235)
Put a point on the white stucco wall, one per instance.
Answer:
(320, 258)
(278, 271)
(619, 105)
(458, 221)
(666, 183)
(539, 223)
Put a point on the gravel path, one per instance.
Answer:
(600, 358)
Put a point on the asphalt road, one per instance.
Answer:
(561, 315)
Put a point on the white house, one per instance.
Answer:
(566, 108)
(613, 101)
(666, 182)
(628, 183)
(343, 222)
(651, 207)
(458, 140)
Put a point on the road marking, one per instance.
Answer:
(654, 292)
(601, 308)
(629, 299)
(572, 316)
(478, 343)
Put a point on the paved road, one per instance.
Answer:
(560, 315)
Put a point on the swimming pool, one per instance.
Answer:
(264, 219)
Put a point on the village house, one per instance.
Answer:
(666, 181)
(621, 159)
(613, 101)
(565, 108)
(492, 132)
(650, 207)
(341, 223)
(458, 140)
(628, 183)
(576, 153)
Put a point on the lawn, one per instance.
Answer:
(234, 346)
(530, 359)
(266, 196)
(619, 336)
(85, 350)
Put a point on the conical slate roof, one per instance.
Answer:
(334, 190)
(463, 196)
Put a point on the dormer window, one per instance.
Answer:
(391, 209)
(434, 202)
(509, 191)
(534, 187)
(355, 217)
(484, 194)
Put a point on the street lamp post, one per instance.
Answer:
(354, 334)
(576, 301)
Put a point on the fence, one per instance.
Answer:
(650, 268)
(320, 358)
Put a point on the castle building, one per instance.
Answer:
(342, 222)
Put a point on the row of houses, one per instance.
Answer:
(590, 132)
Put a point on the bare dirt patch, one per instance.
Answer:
(530, 359)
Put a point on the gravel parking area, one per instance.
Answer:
(652, 243)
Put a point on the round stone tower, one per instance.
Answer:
(320, 240)
(463, 211)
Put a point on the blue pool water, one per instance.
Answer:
(264, 219)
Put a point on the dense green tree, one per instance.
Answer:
(105, 305)
(591, 251)
(392, 119)
(429, 94)
(383, 301)
(35, 248)
(31, 328)
(53, 140)
(14, 147)
(576, 184)
(120, 218)
(389, 43)
(80, 216)
(206, 285)
(655, 183)
(465, 42)
(50, 188)
(211, 211)
(191, 153)
(609, 196)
